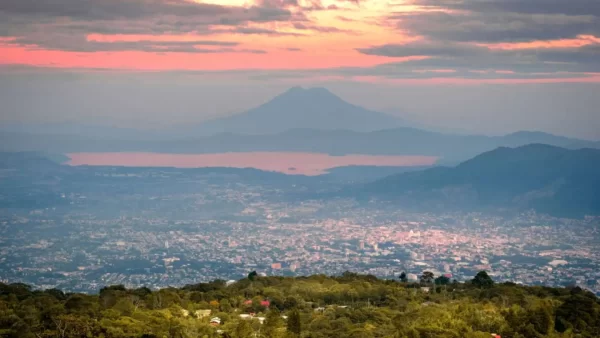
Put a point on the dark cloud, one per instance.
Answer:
(467, 57)
(588, 56)
(496, 27)
(306, 5)
(110, 9)
(321, 29)
(62, 24)
(261, 31)
(501, 20)
(400, 71)
(77, 44)
(425, 48)
(425, 69)
(566, 7)
(452, 32)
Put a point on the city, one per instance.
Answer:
(166, 238)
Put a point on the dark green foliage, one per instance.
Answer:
(293, 324)
(252, 275)
(273, 322)
(442, 280)
(580, 313)
(482, 280)
(349, 305)
(427, 277)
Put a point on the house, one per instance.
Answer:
(246, 316)
(215, 321)
(202, 313)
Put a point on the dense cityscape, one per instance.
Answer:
(165, 238)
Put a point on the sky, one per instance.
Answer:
(490, 66)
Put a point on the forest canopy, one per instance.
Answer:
(350, 305)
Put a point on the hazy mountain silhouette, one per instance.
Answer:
(30, 161)
(314, 108)
(546, 178)
(451, 149)
(100, 132)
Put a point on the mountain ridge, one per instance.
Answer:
(451, 149)
(546, 178)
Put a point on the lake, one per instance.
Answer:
(285, 162)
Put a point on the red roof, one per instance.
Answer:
(264, 303)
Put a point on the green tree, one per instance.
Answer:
(482, 280)
(541, 318)
(293, 324)
(243, 329)
(427, 277)
(273, 321)
(290, 302)
(225, 305)
(580, 312)
(257, 304)
(403, 278)
(125, 307)
(252, 275)
(442, 280)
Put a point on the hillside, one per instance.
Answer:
(349, 305)
(546, 178)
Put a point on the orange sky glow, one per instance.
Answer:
(313, 34)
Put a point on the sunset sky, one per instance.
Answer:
(541, 47)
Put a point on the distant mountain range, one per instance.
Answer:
(451, 149)
(299, 120)
(297, 108)
(549, 179)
